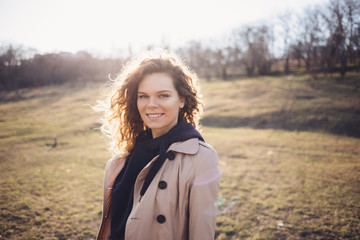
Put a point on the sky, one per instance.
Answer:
(110, 27)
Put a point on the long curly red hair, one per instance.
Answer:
(122, 121)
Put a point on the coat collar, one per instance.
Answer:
(190, 146)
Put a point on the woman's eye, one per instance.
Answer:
(164, 95)
(142, 96)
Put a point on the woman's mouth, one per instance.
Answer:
(154, 115)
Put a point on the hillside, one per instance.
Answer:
(289, 150)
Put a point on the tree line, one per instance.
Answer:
(324, 39)
(16, 71)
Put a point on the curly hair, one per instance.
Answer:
(122, 122)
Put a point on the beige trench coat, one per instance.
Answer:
(179, 204)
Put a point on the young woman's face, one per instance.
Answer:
(159, 103)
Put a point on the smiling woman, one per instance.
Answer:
(163, 181)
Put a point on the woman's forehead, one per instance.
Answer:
(157, 82)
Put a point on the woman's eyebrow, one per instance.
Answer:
(169, 91)
(161, 91)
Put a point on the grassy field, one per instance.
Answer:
(289, 171)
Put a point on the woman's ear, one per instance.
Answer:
(182, 102)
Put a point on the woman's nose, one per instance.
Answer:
(152, 102)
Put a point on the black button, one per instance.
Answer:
(161, 219)
(162, 185)
(170, 155)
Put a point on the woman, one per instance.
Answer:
(163, 181)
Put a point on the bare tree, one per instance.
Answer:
(310, 37)
(10, 61)
(285, 21)
(257, 55)
(342, 18)
(200, 58)
(352, 13)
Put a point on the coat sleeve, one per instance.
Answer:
(203, 195)
(112, 169)
(104, 230)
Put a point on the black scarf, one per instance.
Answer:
(145, 149)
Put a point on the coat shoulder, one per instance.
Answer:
(114, 163)
(206, 157)
(206, 152)
(116, 158)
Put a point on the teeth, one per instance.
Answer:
(154, 115)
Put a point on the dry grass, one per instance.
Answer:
(277, 184)
(288, 185)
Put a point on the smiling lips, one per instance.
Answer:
(154, 115)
